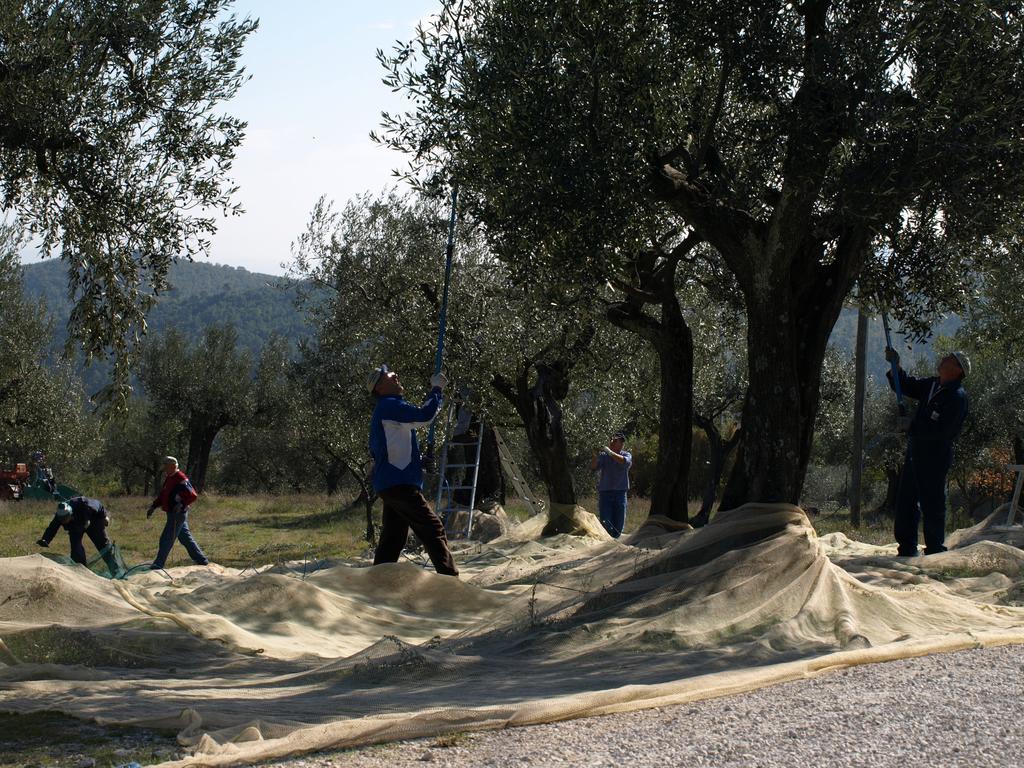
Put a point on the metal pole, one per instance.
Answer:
(443, 320)
(448, 254)
(857, 467)
(895, 368)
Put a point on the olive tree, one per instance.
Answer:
(380, 263)
(795, 139)
(42, 404)
(205, 385)
(113, 153)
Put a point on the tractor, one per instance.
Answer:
(13, 482)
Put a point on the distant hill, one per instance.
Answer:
(202, 294)
(259, 305)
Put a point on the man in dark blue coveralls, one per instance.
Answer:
(82, 517)
(941, 410)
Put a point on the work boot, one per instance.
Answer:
(111, 561)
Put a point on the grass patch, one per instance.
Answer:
(448, 740)
(952, 574)
(870, 531)
(50, 738)
(232, 530)
(240, 531)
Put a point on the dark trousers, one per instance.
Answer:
(405, 508)
(177, 528)
(611, 507)
(97, 533)
(922, 494)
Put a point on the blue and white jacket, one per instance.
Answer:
(393, 444)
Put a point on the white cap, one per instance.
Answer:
(374, 377)
(170, 460)
(963, 361)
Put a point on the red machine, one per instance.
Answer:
(13, 482)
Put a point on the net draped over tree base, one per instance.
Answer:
(254, 667)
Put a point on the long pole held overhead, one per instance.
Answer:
(448, 253)
(443, 319)
(895, 368)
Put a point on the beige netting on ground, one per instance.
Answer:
(250, 666)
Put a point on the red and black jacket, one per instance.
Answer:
(177, 493)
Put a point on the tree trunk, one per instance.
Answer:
(490, 482)
(787, 335)
(857, 464)
(541, 413)
(200, 445)
(718, 454)
(673, 342)
(892, 482)
(769, 463)
(669, 492)
(367, 497)
(332, 476)
(371, 531)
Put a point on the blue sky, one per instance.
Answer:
(314, 96)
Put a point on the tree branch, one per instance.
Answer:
(632, 319)
(734, 233)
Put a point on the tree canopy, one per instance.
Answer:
(813, 146)
(112, 153)
(41, 402)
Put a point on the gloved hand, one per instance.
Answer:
(892, 356)
(149, 512)
(607, 450)
(438, 381)
(43, 543)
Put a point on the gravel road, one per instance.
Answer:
(954, 709)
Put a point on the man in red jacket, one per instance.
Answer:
(175, 497)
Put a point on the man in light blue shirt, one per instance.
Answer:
(613, 463)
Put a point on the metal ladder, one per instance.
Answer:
(508, 463)
(445, 504)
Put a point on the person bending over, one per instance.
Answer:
(81, 517)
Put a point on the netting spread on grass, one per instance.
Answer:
(250, 667)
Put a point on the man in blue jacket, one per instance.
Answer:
(940, 415)
(398, 472)
(82, 517)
